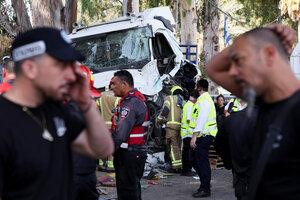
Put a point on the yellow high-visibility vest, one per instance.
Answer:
(210, 126)
(184, 132)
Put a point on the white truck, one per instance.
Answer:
(145, 45)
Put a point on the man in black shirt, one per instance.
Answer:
(234, 143)
(257, 61)
(37, 131)
(129, 129)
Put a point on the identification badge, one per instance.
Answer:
(124, 112)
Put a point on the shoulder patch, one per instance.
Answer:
(124, 112)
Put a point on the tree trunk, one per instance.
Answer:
(22, 18)
(4, 21)
(210, 24)
(188, 15)
(47, 13)
(70, 15)
(175, 12)
(130, 6)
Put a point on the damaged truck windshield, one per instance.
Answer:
(122, 49)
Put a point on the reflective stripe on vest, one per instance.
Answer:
(172, 112)
(236, 105)
(110, 164)
(108, 123)
(136, 136)
(100, 104)
(101, 162)
(210, 127)
(184, 132)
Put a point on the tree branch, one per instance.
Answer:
(23, 20)
(5, 23)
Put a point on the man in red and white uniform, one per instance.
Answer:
(129, 126)
(8, 74)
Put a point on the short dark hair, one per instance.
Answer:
(203, 84)
(9, 65)
(18, 67)
(124, 75)
(220, 95)
(18, 64)
(263, 36)
(195, 94)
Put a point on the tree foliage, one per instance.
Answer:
(156, 3)
(259, 12)
(292, 8)
(99, 10)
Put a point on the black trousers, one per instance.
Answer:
(200, 161)
(85, 187)
(241, 186)
(186, 162)
(129, 168)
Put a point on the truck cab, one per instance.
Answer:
(145, 45)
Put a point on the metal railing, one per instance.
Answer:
(190, 53)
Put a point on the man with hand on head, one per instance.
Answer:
(37, 131)
(256, 66)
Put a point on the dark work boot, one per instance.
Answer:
(201, 194)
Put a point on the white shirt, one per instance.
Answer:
(204, 110)
(189, 111)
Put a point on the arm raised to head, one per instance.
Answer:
(218, 69)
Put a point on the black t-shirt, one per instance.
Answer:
(32, 167)
(220, 114)
(281, 178)
(234, 141)
(82, 164)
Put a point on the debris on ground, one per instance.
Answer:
(167, 184)
(151, 175)
(106, 181)
(153, 182)
(115, 197)
(155, 162)
(101, 191)
(143, 187)
(162, 177)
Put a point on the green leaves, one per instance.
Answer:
(259, 12)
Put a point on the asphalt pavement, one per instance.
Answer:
(176, 187)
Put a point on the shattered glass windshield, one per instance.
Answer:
(117, 49)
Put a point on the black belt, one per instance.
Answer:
(134, 148)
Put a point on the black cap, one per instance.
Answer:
(44, 40)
